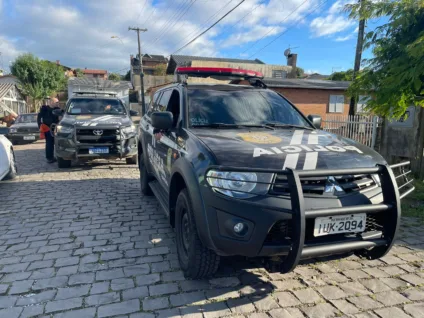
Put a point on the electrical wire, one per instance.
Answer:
(264, 36)
(219, 20)
(288, 29)
(142, 8)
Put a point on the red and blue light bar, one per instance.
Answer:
(217, 71)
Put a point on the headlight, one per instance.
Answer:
(13, 130)
(61, 129)
(240, 185)
(129, 131)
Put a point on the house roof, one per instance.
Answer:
(98, 84)
(88, 71)
(184, 59)
(4, 88)
(8, 79)
(157, 58)
(306, 83)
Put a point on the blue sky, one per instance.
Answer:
(79, 33)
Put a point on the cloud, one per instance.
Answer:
(8, 52)
(334, 22)
(251, 35)
(343, 38)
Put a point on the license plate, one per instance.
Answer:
(98, 150)
(340, 224)
(29, 137)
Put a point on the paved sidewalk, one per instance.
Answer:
(84, 243)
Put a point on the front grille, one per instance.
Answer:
(27, 130)
(108, 136)
(374, 222)
(280, 232)
(316, 185)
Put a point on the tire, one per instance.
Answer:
(144, 177)
(62, 163)
(132, 160)
(13, 170)
(195, 259)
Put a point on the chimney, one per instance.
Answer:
(58, 62)
(292, 61)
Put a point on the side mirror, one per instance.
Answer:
(162, 120)
(58, 112)
(316, 120)
(133, 113)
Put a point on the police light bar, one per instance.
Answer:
(217, 72)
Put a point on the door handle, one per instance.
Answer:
(147, 126)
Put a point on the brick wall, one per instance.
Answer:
(311, 101)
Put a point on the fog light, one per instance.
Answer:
(239, 228)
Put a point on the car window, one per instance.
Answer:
(153, 103)
(30, 118)
(95, 106)
(208, 106)
(163, 102)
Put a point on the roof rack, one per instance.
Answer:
(95, 93)
(220, 73)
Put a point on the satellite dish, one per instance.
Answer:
(287, 52)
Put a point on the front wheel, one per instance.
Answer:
(196, 260)
(13, 170)
(62, 163)
(144, 177)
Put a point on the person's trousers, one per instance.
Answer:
(49, 145)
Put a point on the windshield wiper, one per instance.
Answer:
(279, 125)
(257, 126)
(216, 125)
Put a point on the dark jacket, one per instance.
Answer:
(46, 116)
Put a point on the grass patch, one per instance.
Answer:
(413, 204)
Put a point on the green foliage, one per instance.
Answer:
(300, 72)
(127, 77)
(114, 77)
(79, 72)
(395, 75)
(160, 69)
(37, 78)
(342, 76)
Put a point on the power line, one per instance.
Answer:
(288, 29)
(264, 36)
(142, 8)
(219, 20)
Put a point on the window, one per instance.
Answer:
(362, 103)
(279, 74)
(163, 103)
(336, 104)
(242, 106)
(96, 106)
(153, 103)
(174, 106)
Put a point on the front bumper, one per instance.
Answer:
(23, 137)
(262, 215)
(69, 149)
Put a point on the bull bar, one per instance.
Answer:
(370, 245)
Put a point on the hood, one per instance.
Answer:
(25, 125)
(101, 120)
(286, 148)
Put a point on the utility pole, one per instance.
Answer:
(358, 54)
(138, 30)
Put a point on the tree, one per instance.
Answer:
(127, 77)
(159, 69)
(394, 76)
(342, 76)
(114, 77)
(37, 78)
(79, 72)
(300, 72)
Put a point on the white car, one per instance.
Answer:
(7, 159)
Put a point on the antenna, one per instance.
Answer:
(287, 52)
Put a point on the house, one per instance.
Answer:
(150, 61)
(101, 74)
(98, 84)
(268, 70)
(317, 97)
(11, 97)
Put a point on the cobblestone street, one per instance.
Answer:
(83, 242)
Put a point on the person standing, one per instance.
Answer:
(47, 118)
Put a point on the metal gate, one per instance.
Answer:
(361, 128)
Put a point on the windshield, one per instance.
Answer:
(241, 107)
(95, 106)
(26, 119)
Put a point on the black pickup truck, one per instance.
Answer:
(241, 171)
(95, 125)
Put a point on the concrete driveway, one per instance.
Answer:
(83, 242)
